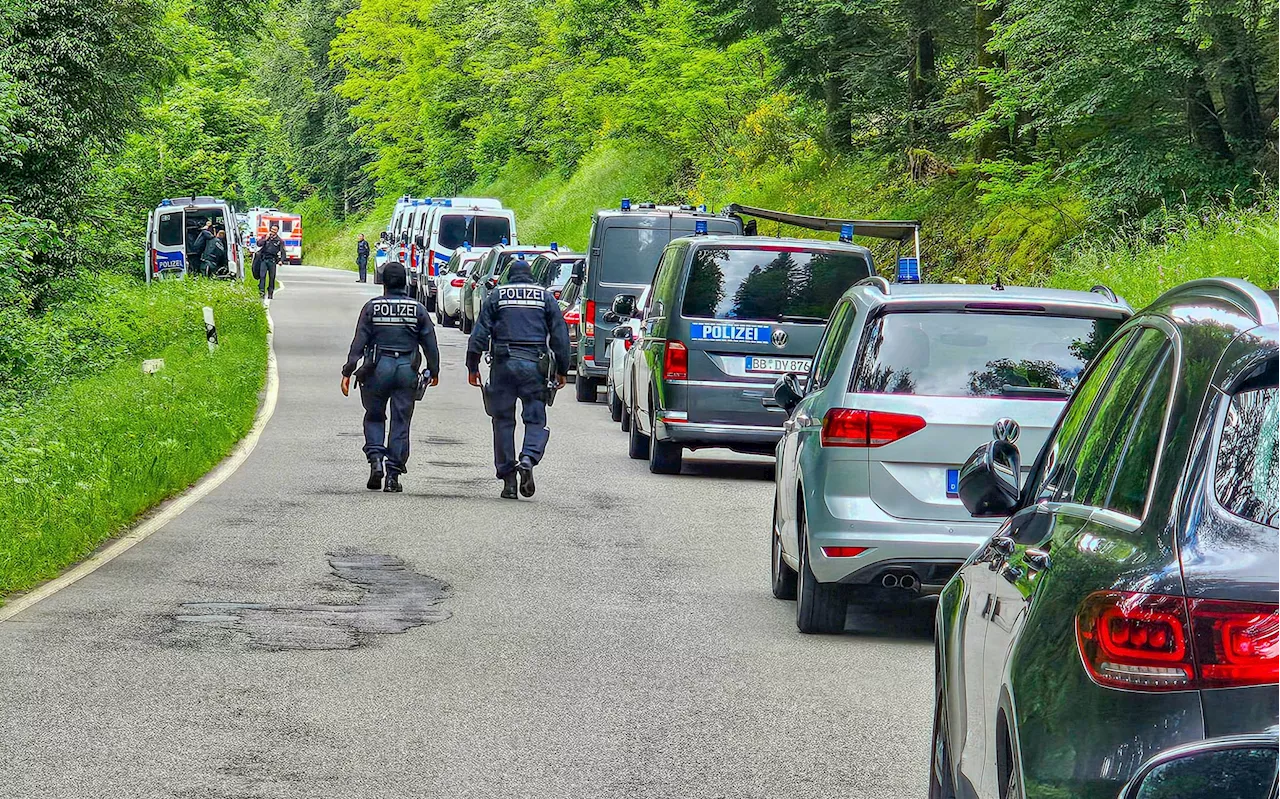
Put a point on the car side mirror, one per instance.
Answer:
(624, 306)
(991, 480)
(579, 272)
(787, 392)
(1240, 766)
(623, 332)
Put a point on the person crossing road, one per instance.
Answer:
(391, 331)
(516, 324)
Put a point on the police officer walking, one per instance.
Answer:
(391, 330)
(362, 258)
(269, 256)
(517, 322)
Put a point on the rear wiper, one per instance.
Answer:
(817, 320)
(1034, 391)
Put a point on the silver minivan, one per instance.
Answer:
(907, 381)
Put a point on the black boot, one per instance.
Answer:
(509, 487)
(393, 483)
(525, 470)
(376, 474)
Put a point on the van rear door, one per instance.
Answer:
(752, 312)
(169, 254)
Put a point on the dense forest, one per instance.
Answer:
(1013, 127)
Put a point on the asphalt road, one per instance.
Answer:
(612, 637)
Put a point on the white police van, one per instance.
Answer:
(174, 224)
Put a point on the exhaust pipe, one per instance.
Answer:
(889, 580)
(909, 582)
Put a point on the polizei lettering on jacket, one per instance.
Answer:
(395, 312)
(521, 297)
(754, 334)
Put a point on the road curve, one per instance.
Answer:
(294, 635)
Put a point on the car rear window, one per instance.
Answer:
(557, 274)
(775, 284)
(1245, 477)
(630, 255)
(954, 354)
(170, 232)
(480, 231)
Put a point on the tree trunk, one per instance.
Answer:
(996, 139)
(839, 121)
(1202, 118)
(924, 77)
(1242, 113)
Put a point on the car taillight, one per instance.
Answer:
(572, 317)
(458, 282)
(589, 322)
(675, 362)
(845, 427)
(1153, 642)
(843, 552)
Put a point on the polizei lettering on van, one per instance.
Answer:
(751, 334)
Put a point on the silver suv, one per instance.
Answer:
(907, 381)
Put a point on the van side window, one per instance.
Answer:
(1088, 478)
(170, 232)
(832, 345)
(1245, 479)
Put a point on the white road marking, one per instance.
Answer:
(170, 509)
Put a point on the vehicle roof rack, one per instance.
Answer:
(1250, 299)
(1106, 292)
(876, 281)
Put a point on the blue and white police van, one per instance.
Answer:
(172, 227)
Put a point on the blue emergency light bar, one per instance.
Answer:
(166, 203)
(846, 233)
(702, 209)
(700, 227)
(626, 204)
(504, 241)
(908, 270)
(555, 247)
(467, 245)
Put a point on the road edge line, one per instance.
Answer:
(171, 508)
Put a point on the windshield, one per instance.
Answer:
(774, 284)
(630, 255)
(554, 274)
(479, 231)
(953, 354)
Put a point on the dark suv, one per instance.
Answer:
(1128, 604)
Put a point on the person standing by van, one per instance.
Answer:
(271, 254)
(362, 258)
(214, 257)
(196, 247)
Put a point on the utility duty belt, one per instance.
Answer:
(523, 351)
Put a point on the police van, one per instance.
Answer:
(173, 226)
(625, 244)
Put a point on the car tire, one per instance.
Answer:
(665, 457)
(1011, 787)
(585, 388)
(625, 421)
(445, 319)
(941, 783)
(615, 404)
(465, 324)
(637, 442)
(820, 607)
(782, 576)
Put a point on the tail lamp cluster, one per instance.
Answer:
(1153, 642)
(847, 427)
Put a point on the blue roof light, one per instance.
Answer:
(702, 209)
(700, 227)
(467, 245)
(626, 204)
(908, 270)
(555, 247)
(166, 203)
(447, 203)
(504, 241)
(846, 233)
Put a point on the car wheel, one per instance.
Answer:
(465, 324)
(625, 421)
(941, 784)
(820, 607)
(665, 457)
(585, 389)
(637, 442)
(615, 404)
(1011, 785)
(783, 577)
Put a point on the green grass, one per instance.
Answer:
(93, 453)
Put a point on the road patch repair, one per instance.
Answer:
(394, 600)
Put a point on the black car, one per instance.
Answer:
(1129, 603)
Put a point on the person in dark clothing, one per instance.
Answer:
(196, 247)
(214, 257)
(391, 331)
(362, 258)
(517, 323)
(272, 253)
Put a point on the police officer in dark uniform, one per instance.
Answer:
(516, 324)
(271, 254)
(391, 330)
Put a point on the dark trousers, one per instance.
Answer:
(393, 383)
(267, 283)
(512, 379)
(363, 264)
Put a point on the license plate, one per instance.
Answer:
(953, 482)
(756, 363)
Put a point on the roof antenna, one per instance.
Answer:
(998, 286)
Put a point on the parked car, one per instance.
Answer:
(625, 244)
(1127, 603)
(625, 334)
(570, 300)
(555, 270)
(907, 381)
(1238, 766)
(449, 282)
(487, 273)
(726, 316)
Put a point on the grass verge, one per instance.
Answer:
(93, 453)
